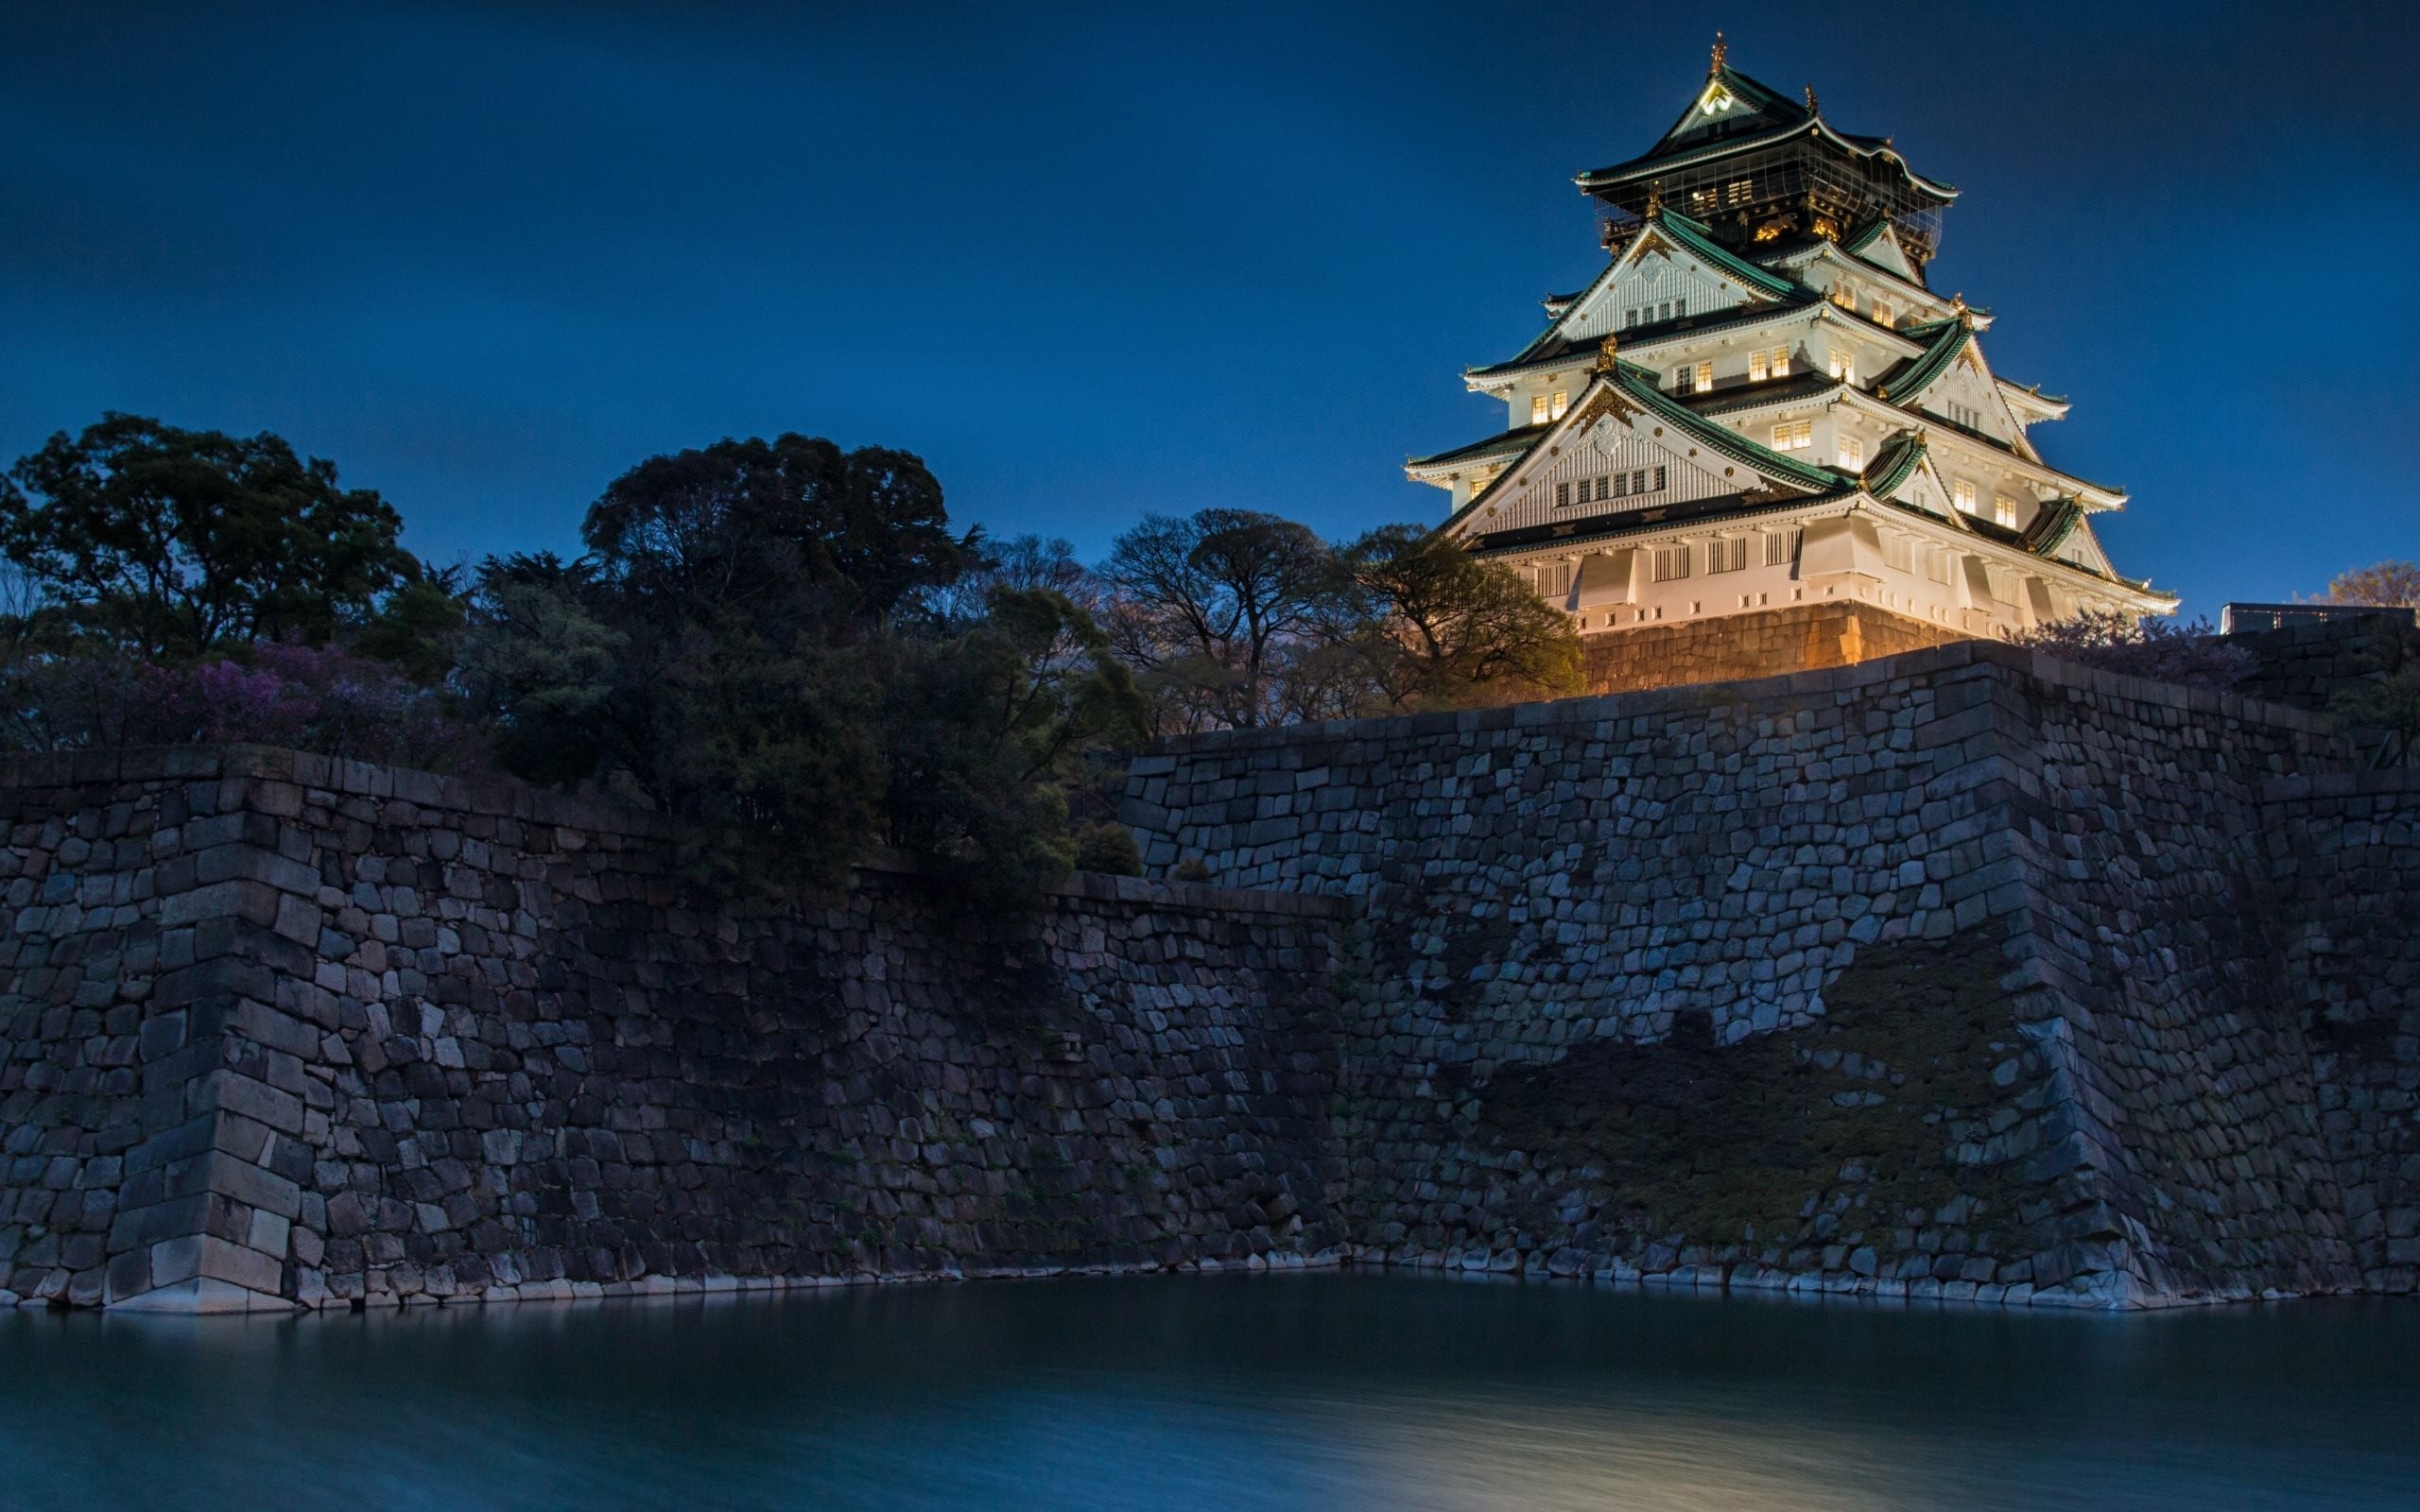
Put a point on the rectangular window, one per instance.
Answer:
(1882, 313)
(1759, 366)
(1561, 404)
(1793, 436)
(1781, 362)
(1671, 564)
(1845, 296)
(1638, 481)
(1684, 380)
(1781, 547)
(1726, 556)
(1680, 309)
(1844, 366)
(1898, 553)
(1962, 493)
(1937, 563)
(1561, 494)
(1853, 453)
(1602, 484)
(1621, 484)
(1705, 377)
(1630, 317)
(1553, 579)
(1663, 310)
(2004, 511)
(1537, 409)
(1659, 480)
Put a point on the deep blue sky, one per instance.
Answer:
(1094, 262)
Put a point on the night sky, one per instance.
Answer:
(1092, 264)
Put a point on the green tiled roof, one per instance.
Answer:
(1945, 340)
(1694, 235)
(1522, 434)
(1892, 468)
(1639, 384)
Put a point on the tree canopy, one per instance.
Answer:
(783, 643)
(172, 542)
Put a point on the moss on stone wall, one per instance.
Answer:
(1866, 1124)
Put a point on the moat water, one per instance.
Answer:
(1318, 1391)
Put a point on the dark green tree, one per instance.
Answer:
(1445, 630)
(169, 542)
(984, 724)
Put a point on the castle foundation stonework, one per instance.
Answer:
(1958, 974)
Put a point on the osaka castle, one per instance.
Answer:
(1759, 440)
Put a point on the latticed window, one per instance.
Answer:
(1671, 562)
(1781, 362)
(1781, 547)
(1726, 555)
(1703, 377)
(1962, 493)
(1852, 452)
(1883, 313)
(2004, 511)
(1759, 366)
(1793, 436)
(1898, 553)
(1552, 579)
(1538, 409)
(1844, 366)
(1562, 405)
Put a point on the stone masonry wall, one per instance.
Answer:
(2345, 848)
(1804, 638)
(277, 1029)
(1961, 973)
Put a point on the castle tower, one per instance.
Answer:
(1759, 440)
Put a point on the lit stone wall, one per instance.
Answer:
(1960, 973)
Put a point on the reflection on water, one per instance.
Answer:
(1250, 1392)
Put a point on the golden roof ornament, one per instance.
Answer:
(1606, 359)
(1812, 109)
(1721, 52)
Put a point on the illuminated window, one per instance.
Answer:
(1781, 362)
(1759, 366)
(1781, 547)
(1726, 556)
(1853, 452)
(2004, 511)
(1704, 376)
(1561, 404)
(1671, 562)
(1844, 366)
(1962, 495)
(1845, 296)
(1793, 436)
(1537, 409)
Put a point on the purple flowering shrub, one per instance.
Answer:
(2193, 655)
(313, 698)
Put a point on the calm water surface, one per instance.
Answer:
(1332, 1392)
